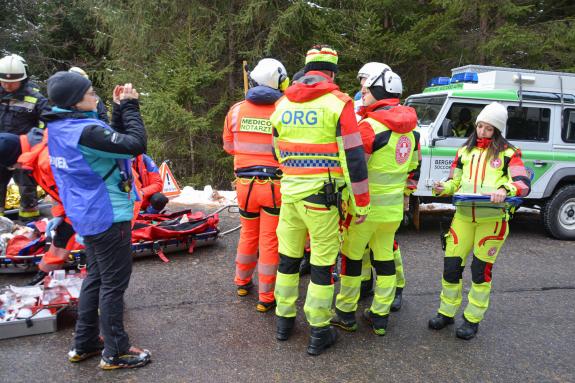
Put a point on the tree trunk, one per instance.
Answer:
(483, 29)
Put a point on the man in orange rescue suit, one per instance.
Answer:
(319, 147)
(248, 137)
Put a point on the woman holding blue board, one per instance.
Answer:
(486, 177)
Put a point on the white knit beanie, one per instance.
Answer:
(494, 114)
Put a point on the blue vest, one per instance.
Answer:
(84, 193)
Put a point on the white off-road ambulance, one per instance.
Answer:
(541, 107)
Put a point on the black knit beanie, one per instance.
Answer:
(159, 201)
(66, 89)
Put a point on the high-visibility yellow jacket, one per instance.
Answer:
(473, 172)
(316, 137)
(392, 146)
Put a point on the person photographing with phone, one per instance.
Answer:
(91, 166)
(487, 164)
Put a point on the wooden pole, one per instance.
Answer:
(244, 70)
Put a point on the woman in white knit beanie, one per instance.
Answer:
(487, 164)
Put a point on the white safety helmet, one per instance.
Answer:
(370, 68)
(79, 70)
(21, 59)
(270, 72)
(387, 79)
(12, 69)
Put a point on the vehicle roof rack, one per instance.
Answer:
(486, 68)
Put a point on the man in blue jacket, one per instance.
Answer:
(91, 166)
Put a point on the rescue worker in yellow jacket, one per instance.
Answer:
(366, 268)
(392, 145)
(486, 164)
(318, 145)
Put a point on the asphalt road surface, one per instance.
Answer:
(187, 313)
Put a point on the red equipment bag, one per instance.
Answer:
(153, 227)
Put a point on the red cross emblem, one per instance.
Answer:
(492, 251)
(402, 150)
(495, 163)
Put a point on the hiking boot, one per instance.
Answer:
(439, 321)
(76, 356)
(378, 323)
(366, 289)
(320, 339)
(467, 330)
(244, 290)
(398, 300)
(305, 265)
(284, 327)
(343, 320)
(264, 307)
(135, 357)
(39, 277)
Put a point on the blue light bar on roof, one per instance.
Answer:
(436, 81)
(465, 77)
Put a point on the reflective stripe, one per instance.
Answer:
(348, 293)
(327, 155)
(311, 163)
(22, 104)
(384, 178)
(29, 214)
(266, 287)
(478, 301)
(243, 273)
(386, 199)
(522, 188)
(246, 258)
(517, 171)
(318, 302)
(270, 270)
(450, 298)
(251, 147)
(30, 99)
(384, 294)
(234, 122)
(399, 274)
(360, 187)
(351, 140)
(286, 293)
(321, 149)
(228, 146)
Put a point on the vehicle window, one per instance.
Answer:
(427, 108)
(528, 123)
(459, 121)
(568, 130)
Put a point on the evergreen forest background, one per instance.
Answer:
(184, 56)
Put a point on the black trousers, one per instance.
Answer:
(109, 263)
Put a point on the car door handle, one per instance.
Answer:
(539, 163)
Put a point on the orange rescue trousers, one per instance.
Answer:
(259, 202)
